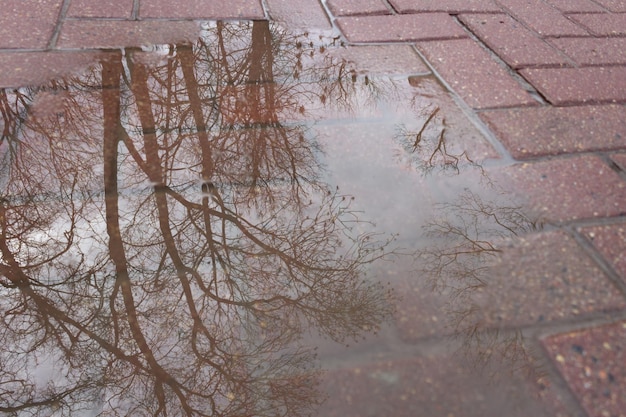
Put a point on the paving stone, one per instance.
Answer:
(613, 5)
(298, 13)
(542, 18)
(541, 277)
(541, 131)
(610, 241)
(201, 9)
(561, 86)
(18, 69)
(121, 33)
(28, 23)
(516, 45)
(491, 86)
(101, 8)
(620, 159)
(357, 7)
(452, 6)
(576, 6)
(564, 189)
(400, 28)
(592, 363)
(438, 386)
(604, 24)
(384, 60)
(593, 51)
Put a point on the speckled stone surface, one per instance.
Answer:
(576, 6)
(101, 8)
(29, 24)
(593, 51)
(603, 24)
(375, 59)
(492, 86)
(452, 6)
(613, 5)
(119, 33)
(515, 44)
(620, 160)
(535, 279)
(400, 28)
(592, 362)
(542, 18)
(564, 189)
(610, 241)
(566, 86)
(200, 9)
(439, 385)
(357, 7)
(298, 13)
(541, 131)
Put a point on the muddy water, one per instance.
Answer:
(258, 224)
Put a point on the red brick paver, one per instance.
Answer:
(610, 241)
(544, 19)
(298, 13)
(592, 363)
(357, 7)
(101, 8)
(28, 24)
(491, 86)
(201, 9)
(541, 131)
(613, 5)
(593, 51)
(563, 86)
(515, 44)
(452, 6)
(604, 24)
(576, 6)
(400, 28)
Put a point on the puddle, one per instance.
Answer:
(201, 229)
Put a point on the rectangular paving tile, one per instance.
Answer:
(452, 6)
(592, 363)
(542, 131)
(382, 59)
(474, 75)
(603, 24)
(201, 9)
(565, 189)
(28, 24)
(298, 13)
(516, 45)
(123, 33)
(400, 28)
(613, 5)
(18, 69)
(593, 51)
(357, 7)
(561, 86)
(620, 159)
(576, 6)
(441, 385)
(542, 18)
(101, 8)
(610, 241)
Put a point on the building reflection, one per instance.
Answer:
(165, 236)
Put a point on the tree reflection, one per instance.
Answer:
(167, 260)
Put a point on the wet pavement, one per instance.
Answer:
(337, 208)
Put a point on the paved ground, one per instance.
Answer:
(546, 77)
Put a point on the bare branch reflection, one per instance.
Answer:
(165, 236)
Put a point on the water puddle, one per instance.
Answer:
(258, 224)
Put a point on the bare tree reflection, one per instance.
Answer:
(167, 260)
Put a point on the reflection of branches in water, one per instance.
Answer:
(152, 299)
(466, 238)
(431, 150)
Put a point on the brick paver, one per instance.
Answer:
(613, 5)
(357, 7)
(515, 44)
(593, 51)
(452, 6)
(101, 8)
(400, 28)
(541, 131)
(201, 9)
(610, 241)
(592, 362)
(562, 86)
(577, 6)
(298, 13)
(604, 24)
(542, 18)
(28, 24)
(492, 86)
